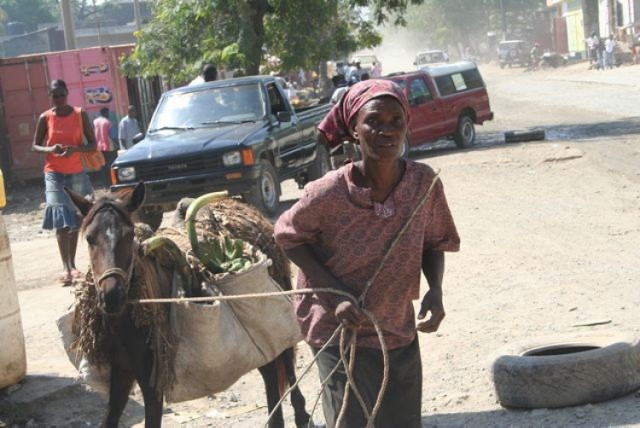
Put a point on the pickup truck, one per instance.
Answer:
(239, 135)
(446, 101)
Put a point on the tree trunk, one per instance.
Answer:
(251, 37)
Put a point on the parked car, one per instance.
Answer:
(239, 135)
(430, 57)
(514, 52)
(446, 101)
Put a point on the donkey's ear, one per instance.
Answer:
(137, 197)
(83, 204)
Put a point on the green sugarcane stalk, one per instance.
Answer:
(191, 228)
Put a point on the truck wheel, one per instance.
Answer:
(265, 195)
(321, 165)
(151, 216)
(465, 136)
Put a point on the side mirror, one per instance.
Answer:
(139, 137)
(284, 116)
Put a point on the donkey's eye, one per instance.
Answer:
(91, 240)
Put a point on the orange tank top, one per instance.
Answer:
(65, 130)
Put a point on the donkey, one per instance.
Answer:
(109, 231)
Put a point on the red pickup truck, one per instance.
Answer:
(446, 101)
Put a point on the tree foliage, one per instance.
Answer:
(31, 12)
(184, 34)
(458, 23)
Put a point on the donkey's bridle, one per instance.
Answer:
(118, 272)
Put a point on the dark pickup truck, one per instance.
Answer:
(239, 135)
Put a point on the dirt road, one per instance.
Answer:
(549, 238)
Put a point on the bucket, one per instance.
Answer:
(13, 360)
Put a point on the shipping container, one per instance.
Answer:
(94, 79)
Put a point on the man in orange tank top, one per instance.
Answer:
(59, 136)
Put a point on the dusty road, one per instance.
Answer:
(549, 238)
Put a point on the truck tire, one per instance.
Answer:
(321, 165)
(465, 135)
(265, 194)
(151, 216)
(566, 370)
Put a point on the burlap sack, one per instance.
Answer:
(219, 343)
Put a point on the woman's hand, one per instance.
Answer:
(432, 302)
(349, 315)
(57, 149)
(68, 151)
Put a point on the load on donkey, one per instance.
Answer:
(181, 351)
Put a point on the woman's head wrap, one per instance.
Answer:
(335, 125)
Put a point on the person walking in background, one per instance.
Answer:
(592, 45)
(209, 73)
(338, 233)
(609, 47)
(128, 128)
(102, 126)
(59, 136)
(375, 71)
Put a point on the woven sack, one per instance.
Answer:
(221, 342)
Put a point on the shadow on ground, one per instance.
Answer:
(58, 401)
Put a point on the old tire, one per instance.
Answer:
(321, 165)
(152, 216)
(519, 137)
(465, 135)
(566, 370)
(265, 194)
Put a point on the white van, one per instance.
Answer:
(430, 57)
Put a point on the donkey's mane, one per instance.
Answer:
(107, 202)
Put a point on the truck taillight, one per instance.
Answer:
(247, 157)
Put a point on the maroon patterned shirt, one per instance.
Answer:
(350, 234)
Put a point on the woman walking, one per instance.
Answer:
(59, 136)
(338, 234)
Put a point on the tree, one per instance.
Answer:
(31, 12)
(461, 23)
(183, 34)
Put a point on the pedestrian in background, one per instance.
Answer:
(209, 73)
(609, 47)
(102, 127)
(338, 233)
(592, 44)
(128, 128)
(59, 136)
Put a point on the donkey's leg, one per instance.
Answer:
(269, 374)
(297, 399)
(119, 388)
(152, 399)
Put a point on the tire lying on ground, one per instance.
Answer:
(567, 370)
(517, 137)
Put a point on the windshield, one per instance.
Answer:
(428, 58)
(208, 107)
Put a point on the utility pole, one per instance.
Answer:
(503, 14)
(136, 13)
(67, 24)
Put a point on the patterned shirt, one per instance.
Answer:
(351, 234)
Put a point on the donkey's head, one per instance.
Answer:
(109, 232)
